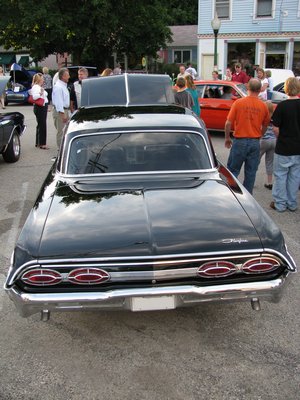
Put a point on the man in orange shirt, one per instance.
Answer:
(249, 117)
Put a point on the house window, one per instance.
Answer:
(182, 56)
(264, 8)
(222, 8)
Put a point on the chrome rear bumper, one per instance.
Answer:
(155, 298)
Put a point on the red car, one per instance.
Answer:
(215, 100)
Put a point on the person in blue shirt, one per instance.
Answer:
(191, 88)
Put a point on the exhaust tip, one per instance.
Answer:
(255, 304)
(45, 315)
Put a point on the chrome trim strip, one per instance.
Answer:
(24, 129)
(146, 260)
(28, 304)
(134, 173)
(12, 132)
(146, 275)
(127, 89)
(290, 263)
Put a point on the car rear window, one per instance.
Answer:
(137, 152)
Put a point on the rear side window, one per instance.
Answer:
(104, 91)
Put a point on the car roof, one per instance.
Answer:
(127, 90)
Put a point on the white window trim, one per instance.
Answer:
(181, 62)
(230, 11)
(264, 18)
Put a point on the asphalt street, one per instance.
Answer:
(209, 352)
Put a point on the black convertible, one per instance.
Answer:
(11, 128)
(138, 214)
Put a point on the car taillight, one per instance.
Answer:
(215, 269)
(42, 277)
(260, 265)
(88, 276)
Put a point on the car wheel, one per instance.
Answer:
(13, 150)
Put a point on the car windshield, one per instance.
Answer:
(242, 88)
(137, 152)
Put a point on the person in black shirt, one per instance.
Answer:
(286, 126)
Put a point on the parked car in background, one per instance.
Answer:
(280, 86)
(280, 75)
(216, 99)
(73, 71)
(11, 128)
(19, 84)
(138, 214)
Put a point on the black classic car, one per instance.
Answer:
(138, 214)
(11, 128)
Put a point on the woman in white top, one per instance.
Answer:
(264, 84)
(40, 112)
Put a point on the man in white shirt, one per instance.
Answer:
(75, 94)
(61, 103)
(191, 70)
(182, 72)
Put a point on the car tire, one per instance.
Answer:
(13, 150)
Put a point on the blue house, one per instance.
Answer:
(252, 32)
(183, 48)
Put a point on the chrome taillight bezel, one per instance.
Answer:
(224, 268)
(97, 276)
(48, 277)
(260, 265)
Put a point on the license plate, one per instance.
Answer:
(152, 303)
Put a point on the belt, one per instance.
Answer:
(65, 108)
(239, 138)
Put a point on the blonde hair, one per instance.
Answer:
(292, 86)
(45, 70)
(107, 72)
(190, 82)
(36, 78)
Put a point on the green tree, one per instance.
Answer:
(88, 29)
(183, 12)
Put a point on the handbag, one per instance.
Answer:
(39, 102)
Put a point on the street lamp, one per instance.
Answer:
(216, 24)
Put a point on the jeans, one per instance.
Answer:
(286, 183)
(267, 147)
(244, 151)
